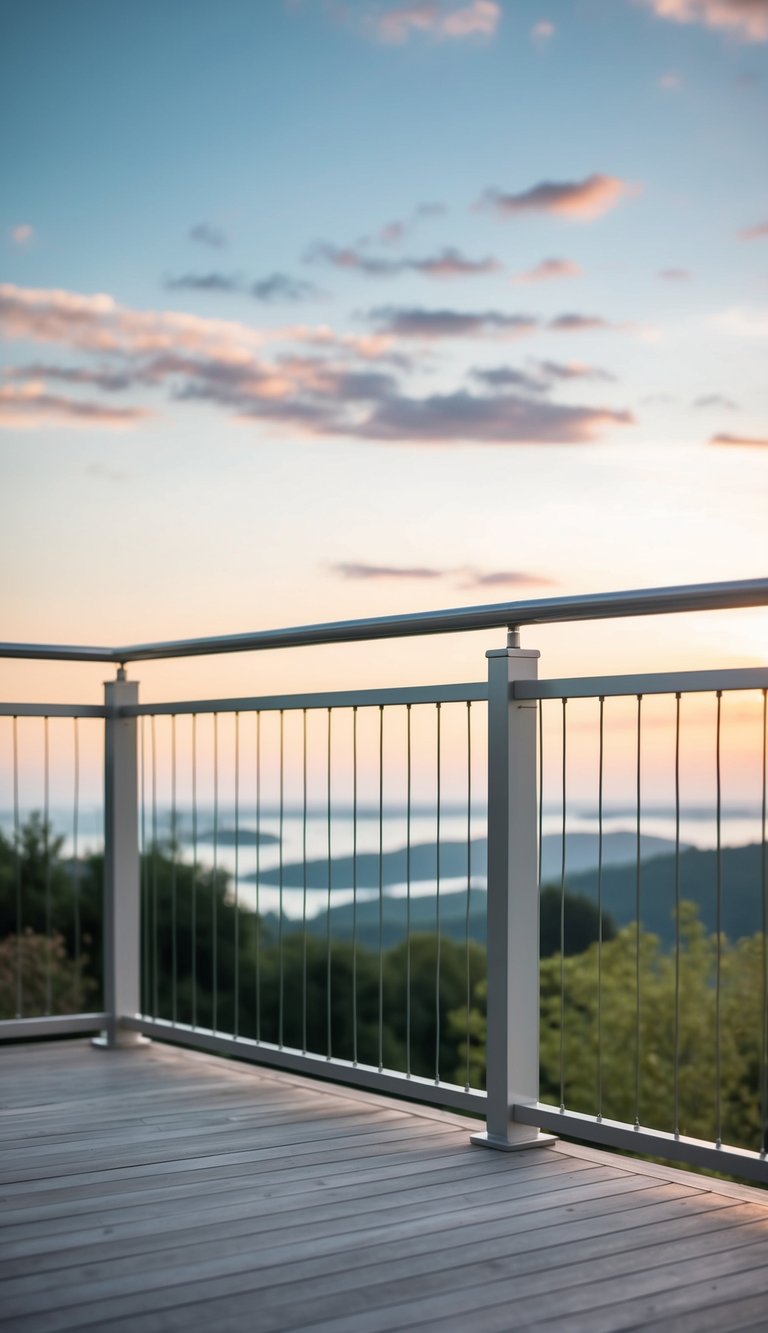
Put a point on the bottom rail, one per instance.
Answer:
(50, 1025)
(649, 1142)
(317, 1066)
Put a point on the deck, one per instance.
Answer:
(163, 1189)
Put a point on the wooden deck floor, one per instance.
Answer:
(161, 1189)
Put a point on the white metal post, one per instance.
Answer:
(121, 949)
(512, 1043)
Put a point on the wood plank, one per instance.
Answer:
(312, 1239)
(597, 1197)
(172, 1189)
(349, 1264)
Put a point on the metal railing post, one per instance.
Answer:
(512, 1043)
(122, 903)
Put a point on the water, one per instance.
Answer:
(739, 826)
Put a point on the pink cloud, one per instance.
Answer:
(759, 230)
(549, 268)
(746, 19)
(361, 570)
(675, 274)
(480, 18)
(99, 324)
(23, 234)
(746, 441)
(29, 406)
(543, 31)
(582, 200)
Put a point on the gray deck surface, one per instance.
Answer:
(164, 1189)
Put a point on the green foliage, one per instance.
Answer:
(37, 977)
(579, 922)
(50, 920)
(613, 1065)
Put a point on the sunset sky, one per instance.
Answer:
(313, 310)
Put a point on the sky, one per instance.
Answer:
(314, 310)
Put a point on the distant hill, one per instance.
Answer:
(581, 853)
(741, 870)
(741, 890)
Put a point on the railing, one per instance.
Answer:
(233, 829)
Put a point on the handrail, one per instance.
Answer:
(538, 611)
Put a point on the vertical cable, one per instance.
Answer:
(215, 877)
(304, 890)
(408, 817)
(354, 885)
(174, 858)
(764, 885)
(47, 854)
(75, 862)
(637, 916)
(676, 1056)
(281, 961)
(381, 885)
(236, 1024)
(328, 979)
(437, 899)
(145, 905)
(258, 876)
(468, 985)
(600, 770)
(562, 910)
(193, 959)
(155, 982)
(17, 873)
(718, 930)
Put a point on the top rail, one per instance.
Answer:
(539, 611)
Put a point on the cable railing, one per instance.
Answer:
(643, 1033)
(312, 879)
(50, 871)
(542, 901)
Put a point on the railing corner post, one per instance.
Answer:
(122, 902)
(512, 1044)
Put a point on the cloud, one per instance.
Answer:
(759, 230)
(207, 234)
(547, 269)
(716, 400)
(360, 570)
(573, 370)
(275, 287)
(749, 442)
(99, 324)
(506, 377)
(574, 323)
(582, 200)
(670, 82)
(507, 578)
(22, 235)
(448, 263)
(463, 417)
(746, 19)
(675, 274)
(111, 381)
(204, 282)
(468, 578)
(417, 322)
(308, 381)
(282, 287)
(438, 20)
(29, 406)
(543, 32)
